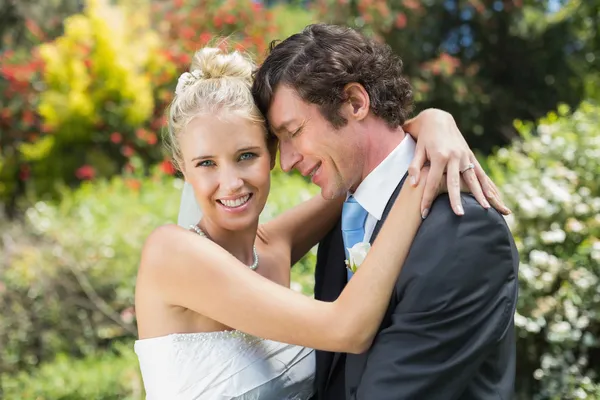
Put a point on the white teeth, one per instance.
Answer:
(237, 202)
(314, 170)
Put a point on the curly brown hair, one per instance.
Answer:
(322, 59)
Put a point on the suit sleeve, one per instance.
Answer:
(455, 299)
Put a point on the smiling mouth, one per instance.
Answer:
(240, 201)
(315, 169)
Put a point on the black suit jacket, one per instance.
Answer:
(448, 332)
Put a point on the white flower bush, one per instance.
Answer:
(551, 181)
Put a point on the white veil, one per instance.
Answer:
(189, 210)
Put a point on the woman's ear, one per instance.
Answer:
(358, 102)
(182, 170)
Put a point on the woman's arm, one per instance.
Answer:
(439, 140)
(196, 273)
(298, 229)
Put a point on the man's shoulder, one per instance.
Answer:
(458, 254)
(442, 217)
(444, 237)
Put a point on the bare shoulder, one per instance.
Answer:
(159, 243)
(155, 315)
(167, 247)
(166, 255)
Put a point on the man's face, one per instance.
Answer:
(334, 158)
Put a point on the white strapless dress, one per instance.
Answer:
(224, 365)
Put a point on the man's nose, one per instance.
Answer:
(288, 156)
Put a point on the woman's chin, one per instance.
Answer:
(240, 224)
(239, 221)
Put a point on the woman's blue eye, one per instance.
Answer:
(205, 163)
(247, 156)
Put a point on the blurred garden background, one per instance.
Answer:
(84, 178)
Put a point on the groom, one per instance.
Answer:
(336, 101)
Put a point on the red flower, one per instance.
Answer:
(128, 151)
(205, 37)
(167, 167)
(411, 4)
(151, 139)
(400, 20)
(187, 32)
(116, 137)
(133, 184)
(230, 19)
(185, 58)
(28, 117)
(217, 21)
(24, 173)
(85, 172)
(5, 113)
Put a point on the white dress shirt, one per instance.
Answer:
(375, 190)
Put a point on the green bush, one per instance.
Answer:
(69, 269)
(550, 180)
(68, 272)
(110, 375)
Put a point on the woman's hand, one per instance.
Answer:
(440, 141)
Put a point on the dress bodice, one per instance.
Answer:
(224, 365)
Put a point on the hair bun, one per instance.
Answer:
(214, 64)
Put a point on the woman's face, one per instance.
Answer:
(226, 160)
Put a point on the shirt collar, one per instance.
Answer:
(375, 190)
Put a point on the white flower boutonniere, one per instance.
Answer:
(357, 255)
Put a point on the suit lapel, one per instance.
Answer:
(330, 279)
(355, 362)
(336, 284)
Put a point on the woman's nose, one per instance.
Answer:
(231, 179)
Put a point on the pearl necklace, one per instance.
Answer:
(254, 265)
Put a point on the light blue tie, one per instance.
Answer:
(353, 225)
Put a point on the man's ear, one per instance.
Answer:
(358, 103)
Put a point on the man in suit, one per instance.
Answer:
(337, 100)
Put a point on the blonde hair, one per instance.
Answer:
(217, 82)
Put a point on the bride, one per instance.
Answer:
(215, 314)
